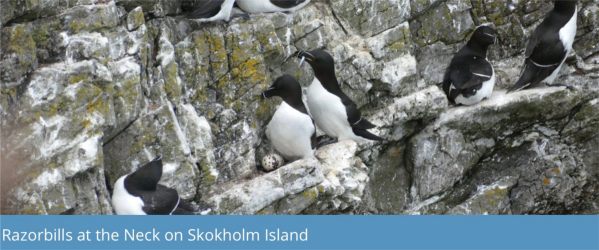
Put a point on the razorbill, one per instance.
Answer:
(139, 193)
(291, 130)
(212, 10)
(549, 45)
(470, 78)
(332, 110)
(259, 6)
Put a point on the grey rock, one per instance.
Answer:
(252, 196)
(91, 90)
(491, 199)
(345, 179)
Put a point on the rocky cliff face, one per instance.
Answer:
(91, 89)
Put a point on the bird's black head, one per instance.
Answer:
(484, 35)
(481, 39)
(288, 88)
(285, 87)
(564, 3)
(321, 61)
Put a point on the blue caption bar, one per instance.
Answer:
(300, 232)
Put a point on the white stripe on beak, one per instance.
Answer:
(302, 61)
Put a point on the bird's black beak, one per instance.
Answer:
(304, 56)
(268, 93)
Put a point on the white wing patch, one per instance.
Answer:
(481, 75)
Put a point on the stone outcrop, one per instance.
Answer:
(92, 89)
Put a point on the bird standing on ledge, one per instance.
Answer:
(470, 78)
(549, 45)
(332, 110)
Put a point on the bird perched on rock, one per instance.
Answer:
(291, 130)
(259, 6)
(332, 110)
(212, 10)
(139, 193)
(549, 45)
(470, 78)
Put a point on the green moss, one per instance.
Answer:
(494, 196)
(263, 111)
(21, 41)
(310, 194)
(76, 25)
(77, 78)
(249, 70)
(136, 18)
(141, 142)
(398, 46)
(99, 105)
(171, 86)
(208, 179)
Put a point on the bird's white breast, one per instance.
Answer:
(484, 92)
(224, 13)
(568, 32)
(125, 203)
(290, 132)
(328, 111)
(566, 36)
(259, 6)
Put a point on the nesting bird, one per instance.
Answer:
(549, 45)
(260, 6)
(139, 193)
(331, 109)
(291, 130)
(470, 78)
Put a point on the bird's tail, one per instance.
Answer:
(363, 124)
(184, 208)
(364, 133)
(526, 77)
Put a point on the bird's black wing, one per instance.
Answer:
(145, 178)
(544, 53)
(184, 208)
(206, 9)
(536, 36)
(549, 52)
(544, 45)
(480, 71)
(470, 72)
(162, 201)
(286, 3)
(354, 116)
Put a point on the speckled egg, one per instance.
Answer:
(272, 161)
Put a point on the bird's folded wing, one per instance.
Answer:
(479, 71)
(206, 9)
(162, 201)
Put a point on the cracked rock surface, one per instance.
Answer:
(92, 89)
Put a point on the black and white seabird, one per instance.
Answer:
(212, 10)
(139, 193)
(470, 78)
(332, 110)
(291, 130)
(260, 6)
(549, 45)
